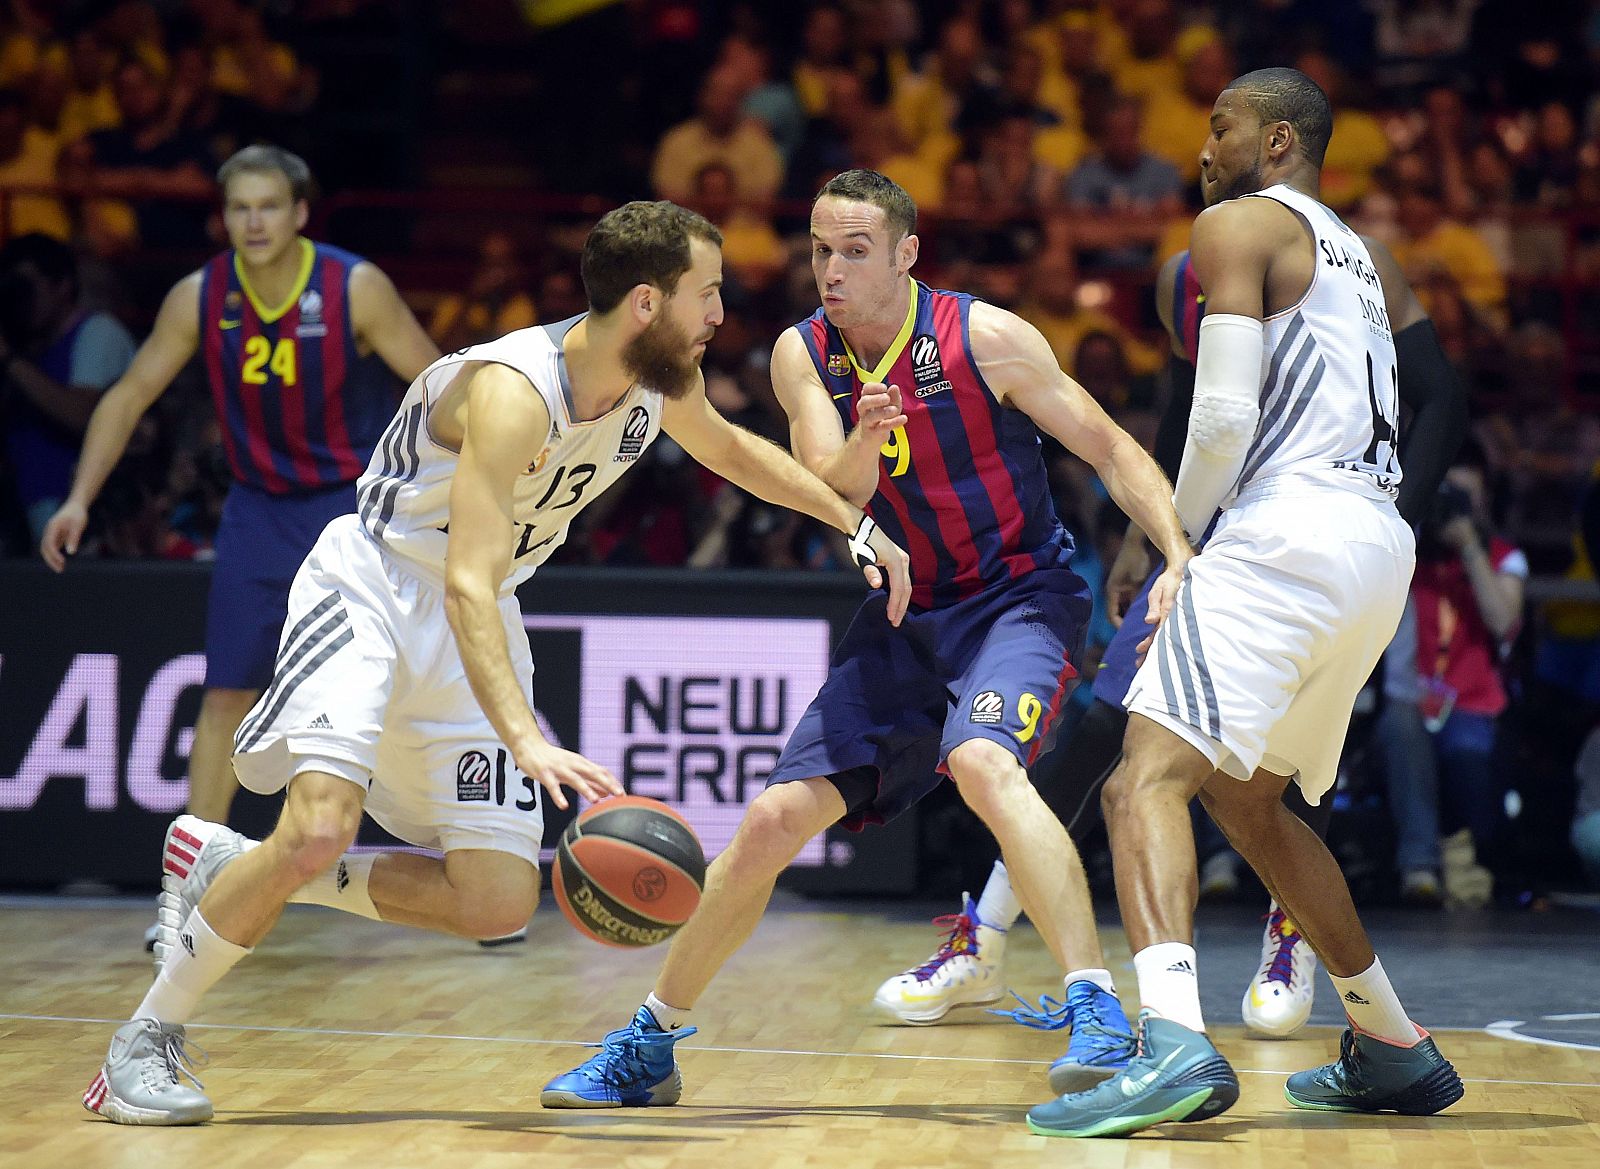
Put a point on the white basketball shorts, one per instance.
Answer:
(1277, 626)
(368, 676)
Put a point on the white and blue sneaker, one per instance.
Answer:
(964, 972)
(634, 1068)
(1277, 1002)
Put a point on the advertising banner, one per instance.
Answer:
(684, 685)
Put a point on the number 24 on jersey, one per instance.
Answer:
(262, 356)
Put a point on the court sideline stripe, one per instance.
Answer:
(686, 1047)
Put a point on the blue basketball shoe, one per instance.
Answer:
(1176, 1075)
(1375, 1075)
(1102, 1041)
(634, 1068)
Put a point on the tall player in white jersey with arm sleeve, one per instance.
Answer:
(1250, 680)
(404, 682)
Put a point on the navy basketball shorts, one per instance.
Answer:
(997, 665)
(261, 541)
(1120, 662)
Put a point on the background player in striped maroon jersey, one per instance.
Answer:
(302, 345)
(925, 408)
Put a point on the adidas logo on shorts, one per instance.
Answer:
(321, 723)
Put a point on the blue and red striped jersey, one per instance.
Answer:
(299, 407)
(962, 486)
(1188, 307)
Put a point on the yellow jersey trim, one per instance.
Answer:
(896, 347)
(308, 258)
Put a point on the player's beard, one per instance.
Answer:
(663, 358)
(1246, 182)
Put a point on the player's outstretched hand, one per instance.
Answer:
(885, 565)
(1162, 594)
(555, 767)
(62, 533)
(1126, 577)
(878, 411)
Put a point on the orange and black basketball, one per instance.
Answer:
(629, 871)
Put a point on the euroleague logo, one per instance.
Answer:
(649, 884)
(311, 322)
(634, 432)
(472, 777)
(927, 371)
(989, 707)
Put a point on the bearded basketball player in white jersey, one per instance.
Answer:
(1249, 682)
(404, 682)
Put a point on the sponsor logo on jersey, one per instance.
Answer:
(989, 707)
(936, 388)
(472, 777)
(634, 431)
(838, 364)
(926, 368)
(311, 322)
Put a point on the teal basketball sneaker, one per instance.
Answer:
(1176, 1075)
(1375, 1075)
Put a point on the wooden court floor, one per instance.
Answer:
(342, 1043)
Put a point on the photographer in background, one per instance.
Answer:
(56, 357)
(1443, 685)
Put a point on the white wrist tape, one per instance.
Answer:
(860, 545)
(1222, 423)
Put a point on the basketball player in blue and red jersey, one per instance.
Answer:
(305, 348)
(924, 407)
(1278, 1000)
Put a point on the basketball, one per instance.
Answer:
(629, 871)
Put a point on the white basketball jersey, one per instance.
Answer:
(404, 496)
(1329, 391)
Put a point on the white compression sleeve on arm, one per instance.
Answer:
(1227, 407)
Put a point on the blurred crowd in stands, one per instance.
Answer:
(1051, 145)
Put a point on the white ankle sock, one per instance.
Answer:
(1373, 1006)
(667, 1018)
(343, 886)
(998, 906)
(193, 967)
(1168, 983)
(1101, 978)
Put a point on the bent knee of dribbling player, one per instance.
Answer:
(319, 822)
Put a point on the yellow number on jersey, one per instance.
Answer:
(280, 359)
(897, 448)
(1029, 709)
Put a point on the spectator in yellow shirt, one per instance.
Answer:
(1052, 306)
(719, 132)
(1358, 146)
(28, 159)
(496, 301)
(1151, 66)
(1433, 244)
(752, 250)
(1177, 122)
